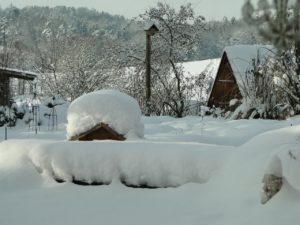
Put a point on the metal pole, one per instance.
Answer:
(148, 73)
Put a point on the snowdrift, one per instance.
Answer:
(133, 163)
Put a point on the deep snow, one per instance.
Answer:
(212, 169)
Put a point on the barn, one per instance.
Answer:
(6, 76)
(231, 78)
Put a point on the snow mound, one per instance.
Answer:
(271, 153)
(120, 111)
(135, 163)
(286, 164)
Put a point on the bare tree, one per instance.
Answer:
(49, 54)
(172, 45)
(82, 69)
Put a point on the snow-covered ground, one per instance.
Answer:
(211, 172)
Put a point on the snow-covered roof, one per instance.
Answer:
(197, 67)
(151, 25)
(118, 110)
(191, 69)
(241, 58)
(19, 73)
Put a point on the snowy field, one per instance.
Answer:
(209, 172)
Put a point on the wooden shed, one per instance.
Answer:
(99, 132)
(225, 86)
(6, 74)
(231, 78)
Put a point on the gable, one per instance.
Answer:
(232, 75)
(225, 86)
(99, 132)
(241, 58)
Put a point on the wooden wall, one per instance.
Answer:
(225, 87)
(5, 78)
(100, 132)
(4, 88)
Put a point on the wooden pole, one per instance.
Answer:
(5, 132)
(148, 73)
(296, 31)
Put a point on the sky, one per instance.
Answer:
(210, 9)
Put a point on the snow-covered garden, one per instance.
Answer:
(87, 155)
(187, 171)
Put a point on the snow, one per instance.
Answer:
(23, 72)
(211, 171)
(233, 102)
(197, 67)
(120, 111)
(241, 58)
(133, 162)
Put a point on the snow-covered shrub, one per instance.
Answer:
(259, 96)
(287, 82)
(278, 22)
(233, 102)
(271, 89)
(216, 112)
(10, 114)
(22, 110)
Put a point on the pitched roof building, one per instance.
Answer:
(231, 79)
(5, 75)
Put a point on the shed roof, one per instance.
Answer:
(104, 132)
(241, 58)
(195, 68)
(191, 69)
(20, 74)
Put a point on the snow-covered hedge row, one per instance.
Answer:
(134, 163)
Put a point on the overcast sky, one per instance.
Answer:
(210, 9)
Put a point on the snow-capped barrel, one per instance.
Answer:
(104, 114)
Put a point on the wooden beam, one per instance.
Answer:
(11, 73)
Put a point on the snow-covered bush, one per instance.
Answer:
(10, 114)
(216, 112)
(278, 22)
(259, 96)
(271, 89)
